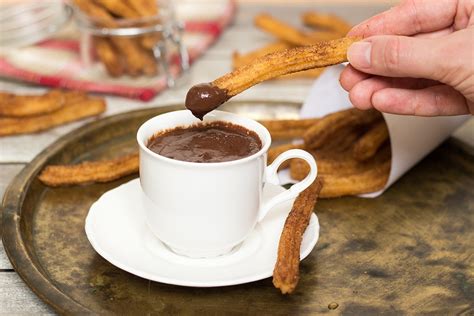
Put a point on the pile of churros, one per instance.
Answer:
(320, 27)
(23, 114)
(131, 56)
(352, 150)
(351, 147)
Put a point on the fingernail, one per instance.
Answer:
(359, 54)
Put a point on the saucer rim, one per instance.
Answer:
(314, 221)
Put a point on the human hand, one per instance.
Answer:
(416, 58)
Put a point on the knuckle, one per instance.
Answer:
(391, 54)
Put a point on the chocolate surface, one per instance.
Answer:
(203, 98)
(211, 142)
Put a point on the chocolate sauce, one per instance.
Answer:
(210, 142)
(203, 98)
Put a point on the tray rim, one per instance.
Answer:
(14, 196)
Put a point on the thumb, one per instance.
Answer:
(395, 56)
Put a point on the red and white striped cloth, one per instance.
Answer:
(56, 62)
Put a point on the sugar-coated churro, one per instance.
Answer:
(109, 56)
(286, 271)
(88, 172)
(118, 8)
(276, 151)
(370, 142)
(144, 8)
(326, 21)
(345, 175)
(239, 60)
(287, 129)
(368, 181)
(319, 36)
(284, 62)
(92, 9)
(29, 105)
(68, 113)
(286, 32)
(321, 132)
(204, 98)
(305, 74)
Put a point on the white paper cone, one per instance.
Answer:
(411, 137)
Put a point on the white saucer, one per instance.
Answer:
(116, 228)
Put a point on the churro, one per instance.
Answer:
(91, 9)
(371, 180)
(347, 176)
(239, 60)
(322, 131)
(68, 113)
(109, 56)
(144, 8)
(149, 41)
(276, 151)
(326, 21)
(305, 74)
(284, 62)
(286, 271)
(88, 172)
(204, 98)
(118, 8)
(370, 142)
(4, 96)
(28, 105)
(333, 157)
(288, 33)
(319, 36)
(287, 129)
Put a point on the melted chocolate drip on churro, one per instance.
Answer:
(203, 98)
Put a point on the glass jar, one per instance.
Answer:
(26, 22)
(136, 43)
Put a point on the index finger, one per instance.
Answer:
(409, 18)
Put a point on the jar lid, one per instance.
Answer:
(27, 22)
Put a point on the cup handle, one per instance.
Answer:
(271, 176)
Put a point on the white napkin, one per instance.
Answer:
(411, 137)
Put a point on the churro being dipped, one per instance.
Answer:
(203, 98)
(239, 60)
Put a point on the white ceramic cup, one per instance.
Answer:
(205, 209)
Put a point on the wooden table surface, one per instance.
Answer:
(15, 152)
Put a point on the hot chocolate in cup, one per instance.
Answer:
(205, 209)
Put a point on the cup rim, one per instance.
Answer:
(266, 141)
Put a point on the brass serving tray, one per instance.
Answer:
(408, 251)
